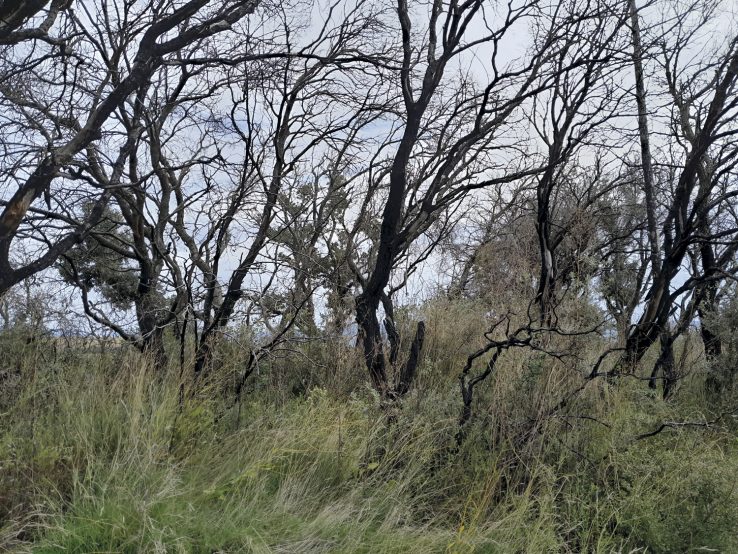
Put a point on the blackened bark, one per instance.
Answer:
(152, 334)
(712, 343)
(680, 228)
(393, 337)
(148, 58)
(708, 306)
(407, 373)
(367, 303)
(644, 135)
(371, 340)
(665, 365)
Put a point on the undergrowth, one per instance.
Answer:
(100, 455)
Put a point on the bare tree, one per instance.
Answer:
(700, 164)
(567, 117)
(15, 14)
(469, 137)
(300, 111)
(68, 103)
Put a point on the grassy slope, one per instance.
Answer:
(95, 460)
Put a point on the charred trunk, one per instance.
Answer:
(370, 336)
(406, 375)
(665, 365)
(152, 333)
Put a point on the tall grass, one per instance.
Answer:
(98, 455)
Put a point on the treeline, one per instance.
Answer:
(286, 171)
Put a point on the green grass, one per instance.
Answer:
(96, 460)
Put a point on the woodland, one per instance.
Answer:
(368, 276)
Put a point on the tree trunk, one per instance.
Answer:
(665, 365)
(708, 306)
(646, 164)
(152, 333)
(371, 339)
(711, 341)
(547, 279)
(655, 316)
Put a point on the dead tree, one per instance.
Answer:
(73, 129)
(701, 122)
(567, 118)
(422, 184)
(282, 116)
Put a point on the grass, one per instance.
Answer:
(98, 456)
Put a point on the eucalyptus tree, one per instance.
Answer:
(299, 118)
(695, 166)
(62, 102)
(458, 134)
(133, 238)
(623, 251)
(573, 119)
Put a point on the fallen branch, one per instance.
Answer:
(681, 424)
